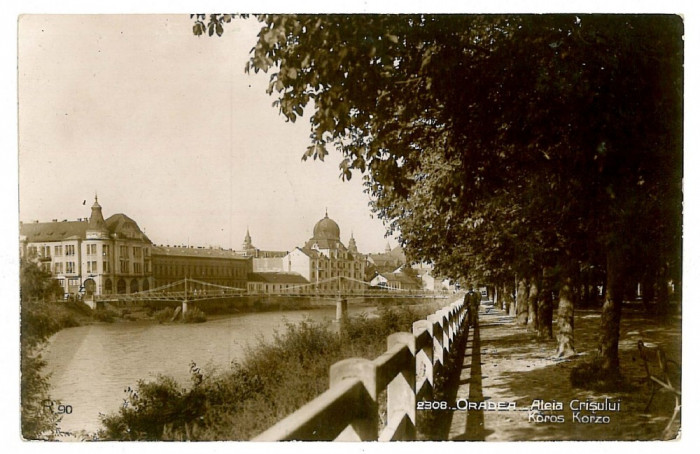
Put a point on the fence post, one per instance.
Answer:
(365, 427)
(424, 360)
(436, 323)
(401, 391)
(446, 336)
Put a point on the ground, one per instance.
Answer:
(504, 363)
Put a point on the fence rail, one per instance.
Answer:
(349, 409)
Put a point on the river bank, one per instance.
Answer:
(93, 367)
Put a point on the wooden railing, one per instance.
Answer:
(349, 409)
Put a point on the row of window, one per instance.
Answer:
(201, 270)
(91, 267)
(90, 249)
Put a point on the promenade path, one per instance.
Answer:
(505, 364)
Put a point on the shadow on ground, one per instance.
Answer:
(515, 367)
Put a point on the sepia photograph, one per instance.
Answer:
(366, 226)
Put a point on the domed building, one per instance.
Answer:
(325, 261)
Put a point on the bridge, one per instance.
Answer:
(342, 290)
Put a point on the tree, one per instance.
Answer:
(494, 144)
(36, 283)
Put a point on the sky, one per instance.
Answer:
(167, 128)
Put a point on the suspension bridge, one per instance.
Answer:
(338, 289)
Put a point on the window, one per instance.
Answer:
(92, 267)
(105, 250)
(70, 249)
(70, 267)
(58, 268)
(124, 251)
(105, 267)
(137, 252)
(58, 251)
(137, 267)
(46, 251)
(31, 250)
(91, 249)
(124, 266)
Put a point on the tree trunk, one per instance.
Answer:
(662, 294)
(545, 308)
(507, 298)
(521, 303)
(532, 300)
(565, 317)
(647, 291)
(612, 311)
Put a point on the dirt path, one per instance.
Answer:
(505, 365)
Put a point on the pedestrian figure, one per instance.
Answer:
(472, 299)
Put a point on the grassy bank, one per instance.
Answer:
(274, 379)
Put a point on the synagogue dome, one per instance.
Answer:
(326, 229)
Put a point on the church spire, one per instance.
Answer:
(352, 245)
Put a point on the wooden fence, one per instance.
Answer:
(349, 409)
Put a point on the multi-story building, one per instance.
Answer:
(211, 265)
(277, 283)
(324, 260)
(91, 256)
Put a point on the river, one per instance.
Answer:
(91, 366)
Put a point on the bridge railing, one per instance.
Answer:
(349, 409)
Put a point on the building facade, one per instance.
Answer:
(214, 266)
(91, 256)
(277, 283)
(325, 262)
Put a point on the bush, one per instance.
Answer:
(164, 315)
(194, 315)
(105, 315)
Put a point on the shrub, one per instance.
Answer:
(105, 315)
(194, 315)
(164, 315)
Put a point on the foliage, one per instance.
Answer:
(36, 283)
(194, 315)
(105, 315)
(164, 315)
(497, 144)
(37, 419)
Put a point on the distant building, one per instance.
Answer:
(275, 282)
(210, 265)
(397, 280)
(430, 282)
(263, 260)
(325, 261)
(91, 256)
(388, 261)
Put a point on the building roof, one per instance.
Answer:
(42, 232)
(196, 252)
(326, 229)
(274, 277)
(403, 277)
(117, 226)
